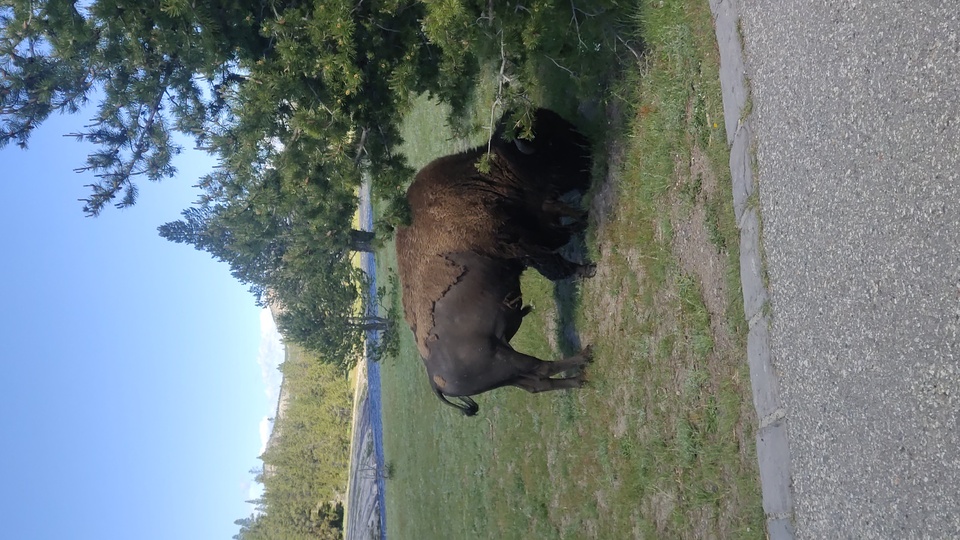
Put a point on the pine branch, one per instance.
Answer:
(498, 100)
(94, 205)
(561, 67)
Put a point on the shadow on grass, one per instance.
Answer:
(566, 294)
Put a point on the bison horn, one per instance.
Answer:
(524, 146)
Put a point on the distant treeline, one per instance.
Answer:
(305, 466)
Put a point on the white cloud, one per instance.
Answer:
(270, 357)
(266, 427)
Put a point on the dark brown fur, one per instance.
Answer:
(511, 213)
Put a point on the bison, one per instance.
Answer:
(471, 235)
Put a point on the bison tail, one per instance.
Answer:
(467, 406)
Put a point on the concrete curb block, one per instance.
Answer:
(773, 449)
(741, 167)
(751, 264)
(766, 392)
(772, 446)
(726, 18)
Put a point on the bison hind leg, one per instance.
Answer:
(577, 361)
(539, 380)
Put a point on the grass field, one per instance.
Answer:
(660, 444)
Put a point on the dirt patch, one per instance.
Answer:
(659, 507)
(701, 259)
(654, 397)
(621, 401)
(691, 245)
(612, 305)
(703, 523)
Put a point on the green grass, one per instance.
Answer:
(660, 444)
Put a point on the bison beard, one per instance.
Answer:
(470, 237)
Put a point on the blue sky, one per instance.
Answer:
(134, 394)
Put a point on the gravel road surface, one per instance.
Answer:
(856, 129)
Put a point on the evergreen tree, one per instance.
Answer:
(146, 59)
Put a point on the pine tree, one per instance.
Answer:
(151, 64)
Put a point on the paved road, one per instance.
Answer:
(856, 125)
(366, 494)
(363, 502)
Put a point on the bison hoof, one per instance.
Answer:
(587, 270)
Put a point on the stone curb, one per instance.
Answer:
(773, 449)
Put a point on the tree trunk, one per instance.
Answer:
(361, 240)
(371, 323)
